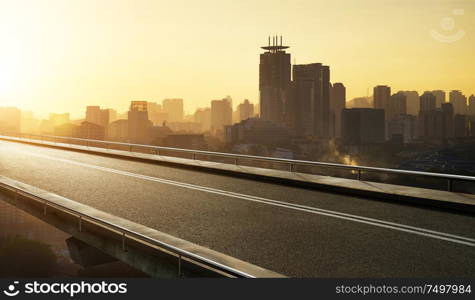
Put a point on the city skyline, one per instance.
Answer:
(48, 68)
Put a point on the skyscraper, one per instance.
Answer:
(471, 106)
(274, 79)
(397, 106)
(221, 114)
(412, 102)
(439, 97)
(459, 101)
(245, 110)
(98, 116)
(427, 102)
(337, 104)
(311, 99)
(381, 94)
(436, 124)
(203, 117)
(156, 114)
(174, 109)
(138, 123)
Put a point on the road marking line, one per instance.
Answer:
(334, 214)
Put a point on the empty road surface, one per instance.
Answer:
(294, 231)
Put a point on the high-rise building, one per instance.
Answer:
(436, 124)
(308, 100)
(397, 106)
(459, 101)
(404, 126)
(156, 114)
(245, 110)
(471, 106)
(362, 126)
(461, 126)
(138, 123)
(427, 102)
(98, 116)
(274, 79)
(381, 95)
(221, 114)
(439, 97)
(412, 102)
(174, 109)
(337, 104)
(203, 116)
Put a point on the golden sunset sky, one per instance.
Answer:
(61, 55)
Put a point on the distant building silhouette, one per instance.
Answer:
(427, 102)
(404, 126)
(361, 126)
(459, 101)
(471, 105)
(96, 115)
(397, 106)
(174, 109)
(337, 104)
(461, 126)
(138, 123)
(118, 131)
(439, 98)
(308, 100)
(274, 79)
(203, 117)
(412, 102)
(257, 131)
(221, 114)
(245, 110)
(156, 114)
(436, 125)
(381, 95)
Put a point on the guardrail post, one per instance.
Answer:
(291, 167)
(359, 174)
(179, 265)
(194, 156)
(130, 148)
(123, 242)
(450, 185)
(236, 161)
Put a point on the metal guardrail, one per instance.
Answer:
(292, 163)
(126, 233)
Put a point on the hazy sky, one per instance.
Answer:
(58, 56)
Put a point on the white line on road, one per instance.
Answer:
(334, 214)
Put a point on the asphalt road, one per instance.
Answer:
(293, 231)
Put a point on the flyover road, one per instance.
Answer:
(294, 231)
